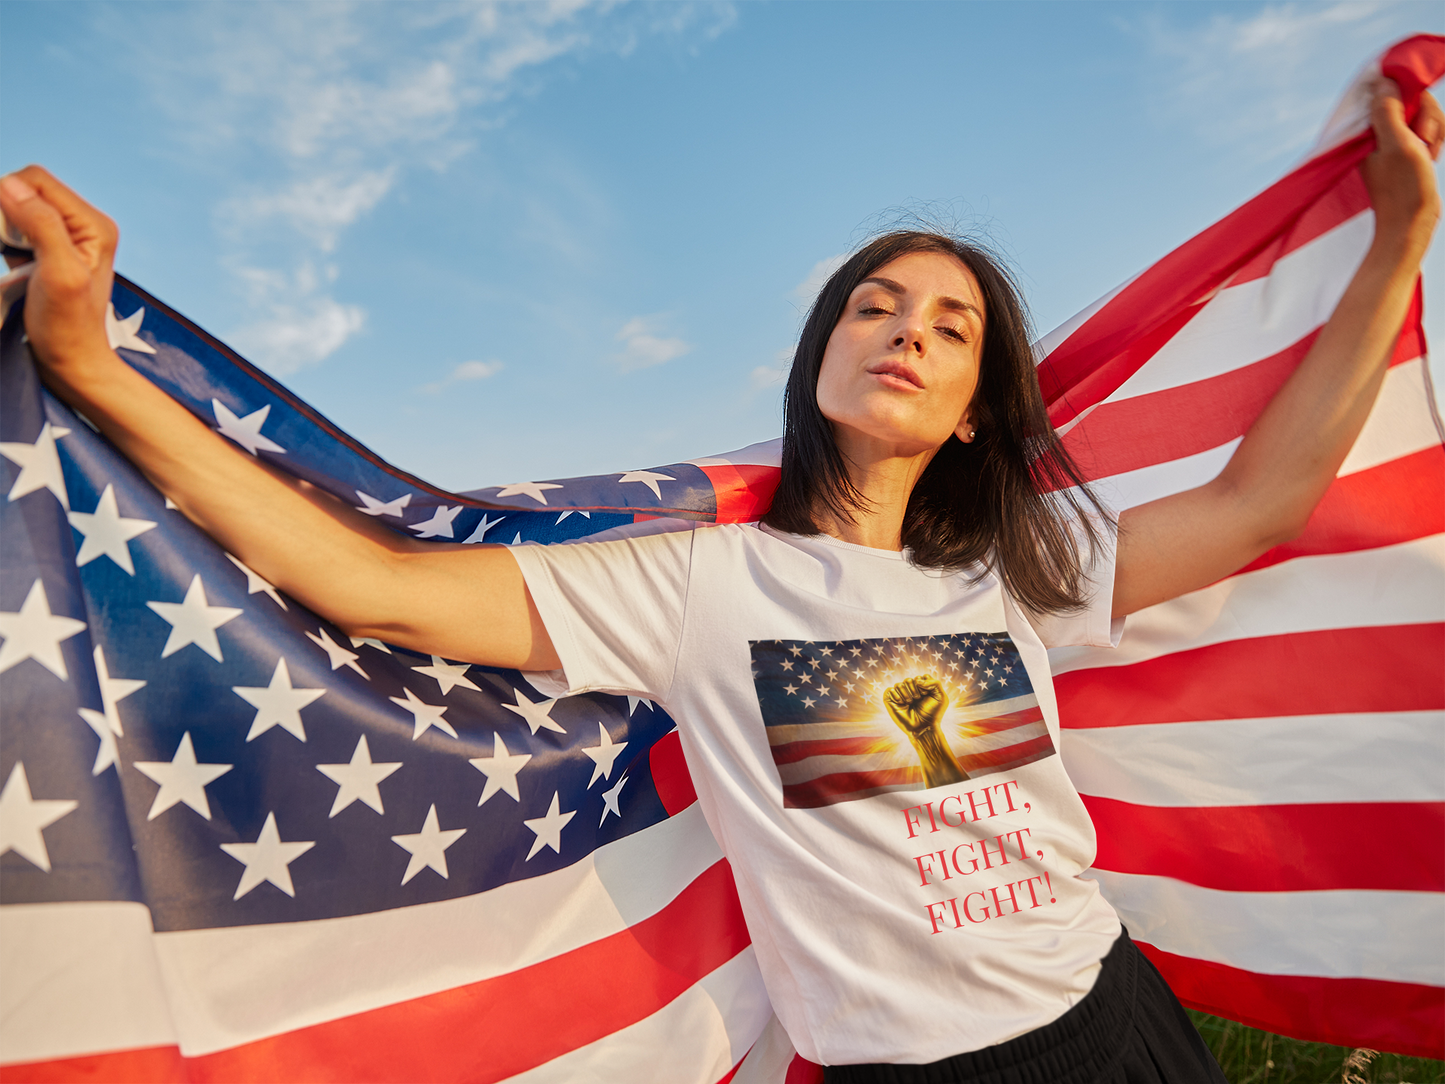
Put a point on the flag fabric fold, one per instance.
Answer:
(237, 844)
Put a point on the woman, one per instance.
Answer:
(910, 558)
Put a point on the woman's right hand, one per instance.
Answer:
(69, 290)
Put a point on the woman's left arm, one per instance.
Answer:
(1289, 456)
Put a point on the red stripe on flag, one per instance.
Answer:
(1402, 1017)
(1379, 846)
(490, 1030)
(148, 1065)
(1170, 424)
(1375, 669)
(670, 776)
(1335, 207)
(743, 491)
(1381, 506)
(803, 1071)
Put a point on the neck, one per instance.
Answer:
(884, 478)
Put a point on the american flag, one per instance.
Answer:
(237, 844)
(830, 733)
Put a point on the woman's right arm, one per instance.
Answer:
(462, 602)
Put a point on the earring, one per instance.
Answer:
(970, 434)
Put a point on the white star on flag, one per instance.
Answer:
(358, 779)
(35, 633)
(633, 701)
(39, 464)
(106, 723)
(124, 334)
(23, 818)
(268, 859)
(278, 704)
(424, 715)
(604, 755)
(501, 770)
(337, 654)
(516, 541)
(479, 533)
(537, 714)
(193, 621)
(648, 478)
(245, 431)
(181, 779)
(531, 489)
(611, 801)
(574, 512)
(256, 585)
(549, 828)
(440, 524)
(428, 847)
(448, 675)
(373, 507)
(357, 641)
(107, 532)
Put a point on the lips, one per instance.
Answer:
(899, 369)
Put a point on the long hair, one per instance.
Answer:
(1006, 501)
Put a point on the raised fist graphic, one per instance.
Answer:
(917, 705)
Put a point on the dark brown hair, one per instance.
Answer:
(1006, 501)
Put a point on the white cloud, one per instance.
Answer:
(291, 336)
(807, 291)
(467, 370)
(644, 346)
(769, 376)
(320, 207)
(1262, 80)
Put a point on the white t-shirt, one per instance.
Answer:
(893, 921)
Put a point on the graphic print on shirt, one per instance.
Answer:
(847, 719)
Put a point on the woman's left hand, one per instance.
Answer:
(1400, 174)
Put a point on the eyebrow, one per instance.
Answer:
(895, 287)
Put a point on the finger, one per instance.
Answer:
(1387, 116)
(41, 223)
(91, 231)
(1429, 124)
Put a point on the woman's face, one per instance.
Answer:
(901, 366)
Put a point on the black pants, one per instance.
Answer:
(1129, 1029)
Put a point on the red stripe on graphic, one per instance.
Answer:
(864, 745)
(1382, 506)
(491, 1030)
(1187, 419)
(1376, 669)
(743, 491)
(670, 776)
(1401, 1017)
(148, 1065)
(1376, 846)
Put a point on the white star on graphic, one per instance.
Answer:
(604, 755)
(357, 641)
(373, 507)
(245, 431)
(193, 621)
(358, 779)
(424, 715)
(123, 334)
(448, 675)
(22, 818)
(181, 779)
(549, 828)
(479, 533)
(537, 714)
(337, 654)
(428, 847)
(501, 770)
(267, 859)
(35, 633)
(531, 489)
(648, 478)
(440, 524)
(633, 701)
(256, 585)
(610, 800)
(574, 512)
(106, 724)
(278, 704)
(107, 532)
(39, 464)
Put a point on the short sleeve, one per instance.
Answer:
(613, 609)
(1094, 625)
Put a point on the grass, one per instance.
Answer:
(1248, 1056)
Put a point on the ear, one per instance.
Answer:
(965, 429)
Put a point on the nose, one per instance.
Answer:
(909, 335)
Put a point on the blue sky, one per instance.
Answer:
(525, 241)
